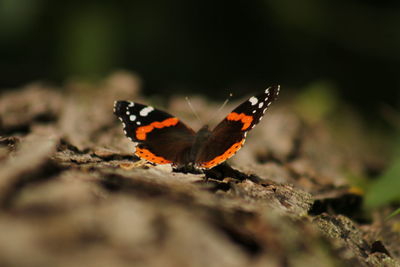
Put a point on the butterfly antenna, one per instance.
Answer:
(193, 110)
(221, 107)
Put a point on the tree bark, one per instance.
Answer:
(73, 194)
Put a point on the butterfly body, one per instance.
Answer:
(163, 139)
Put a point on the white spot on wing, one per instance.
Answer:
(253, 100)
(265, 109)
(132, 117)
(127, 113)
(138, 123)
(254, 111)
(267, 91)
(145, 111)
(131, 104)
(261, 104)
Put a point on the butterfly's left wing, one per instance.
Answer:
(229, 135)
(161, 138)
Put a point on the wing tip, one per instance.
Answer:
(120, 106)
(273, 90)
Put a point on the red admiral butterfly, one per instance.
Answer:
(163, 139)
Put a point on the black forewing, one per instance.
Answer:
(230, 132)
(166, 142)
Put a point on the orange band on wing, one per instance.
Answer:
(146, 154)
(143, 130)
(246, 120)
(229, 153)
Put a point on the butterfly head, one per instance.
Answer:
(204, 129)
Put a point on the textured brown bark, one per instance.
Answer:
(73, 194)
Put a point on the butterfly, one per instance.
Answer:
(164, 139)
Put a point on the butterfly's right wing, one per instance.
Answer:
(229, 135)
(161, 137)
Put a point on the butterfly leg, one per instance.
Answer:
(188, 169)
(224, 170)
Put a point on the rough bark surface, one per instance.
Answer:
(73, 194)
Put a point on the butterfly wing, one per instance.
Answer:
(229, 135)
(161, 138)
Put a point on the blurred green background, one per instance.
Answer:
(208, 47)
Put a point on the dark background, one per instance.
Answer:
(208, 47)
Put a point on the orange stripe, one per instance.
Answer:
(229, 153)
(146, 154)
(246, 120)
(143, 130)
